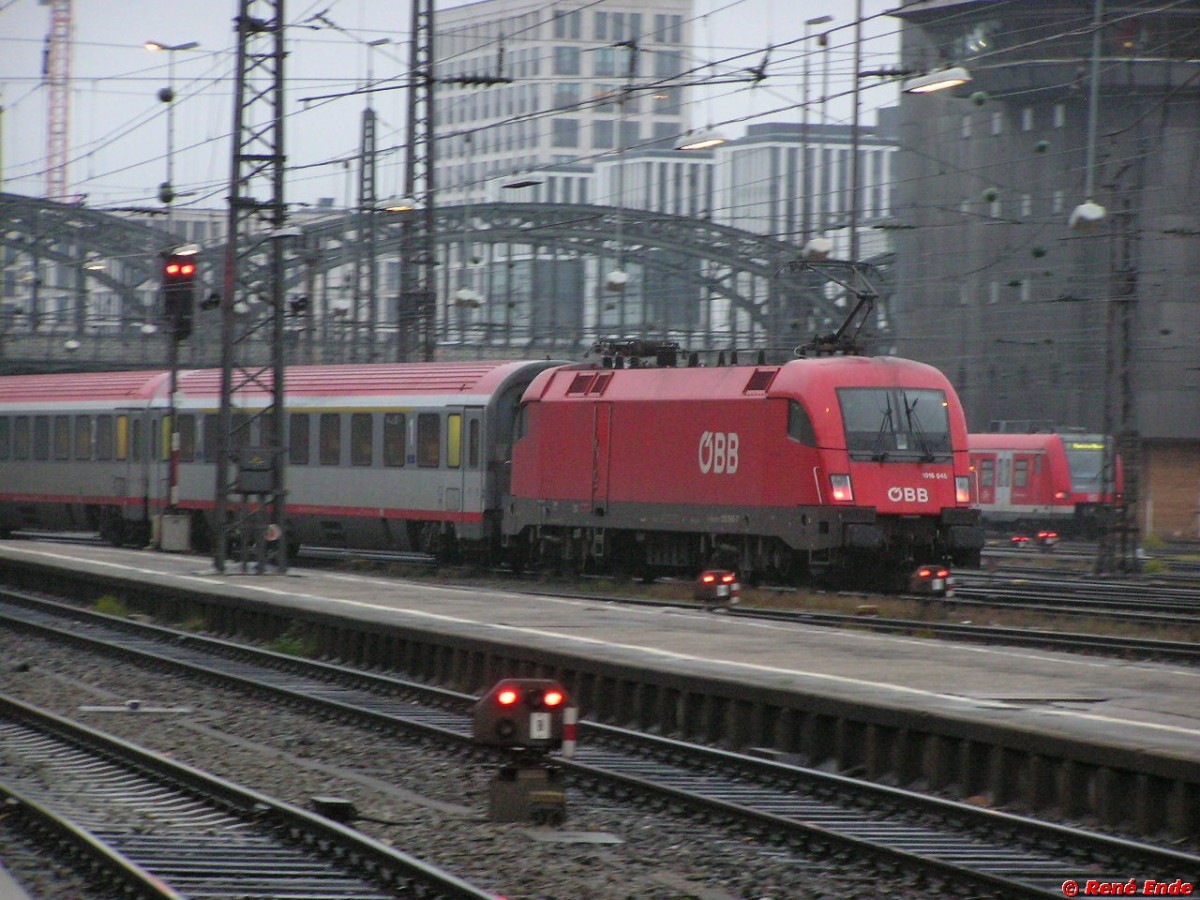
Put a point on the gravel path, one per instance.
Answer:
(435, 805)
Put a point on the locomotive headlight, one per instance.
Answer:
(840, 485)
(962, 489)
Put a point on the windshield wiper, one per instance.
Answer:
(878, 454)
(914, 426)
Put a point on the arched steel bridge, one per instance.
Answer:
(535, 275)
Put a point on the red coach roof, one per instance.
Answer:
(313, 381)
(1011, 441)
(131, 386)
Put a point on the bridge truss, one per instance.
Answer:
(511, 279)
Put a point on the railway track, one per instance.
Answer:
(1121, 600)
(157, 828)
(1162, 607)
(803, 809)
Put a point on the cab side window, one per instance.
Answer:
(799, 425)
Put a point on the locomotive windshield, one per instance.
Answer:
(1086, 461)
(896, 424)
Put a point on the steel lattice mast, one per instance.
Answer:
(418, 305)
(58, 77)
(250, 464)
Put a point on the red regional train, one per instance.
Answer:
(1041, 481)
(836, 464)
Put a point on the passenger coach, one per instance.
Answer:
(1044, 480)
(381, 456)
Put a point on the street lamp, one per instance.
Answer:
(939, 80)
(166, 191)
(1088, 215)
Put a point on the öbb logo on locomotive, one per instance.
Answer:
(908, 495)
(718, 452)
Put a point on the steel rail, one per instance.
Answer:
(169, 830)
(800, 805)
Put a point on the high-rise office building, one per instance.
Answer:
(576, 82)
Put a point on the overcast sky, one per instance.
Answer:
(118, 131)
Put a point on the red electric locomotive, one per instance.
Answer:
(837, 464)
(1054, 481)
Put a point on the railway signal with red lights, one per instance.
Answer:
(521, 713)
(179, 293)
(935, 581)
(718, 587)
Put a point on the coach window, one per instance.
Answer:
(5, 445)
(395, 427)
(135, 440)
(208, 435)
(83, 437)
(62, 437)
(104, 437)
(360, 439)
(987, 473)
(21, 437)
(298, 439)
(122, 437)
(41, 437)
(1020, 473)
(429, 440)
(187, 438)
(242, 435)
(454, 440)
(473, 444)
(799, 425)
(331, 439)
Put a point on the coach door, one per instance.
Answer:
(134, 453)
(985, 478)
(1024, 467)
(472, 468)
(601, 449)
(1003, 480)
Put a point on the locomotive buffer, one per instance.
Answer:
(527, 718)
